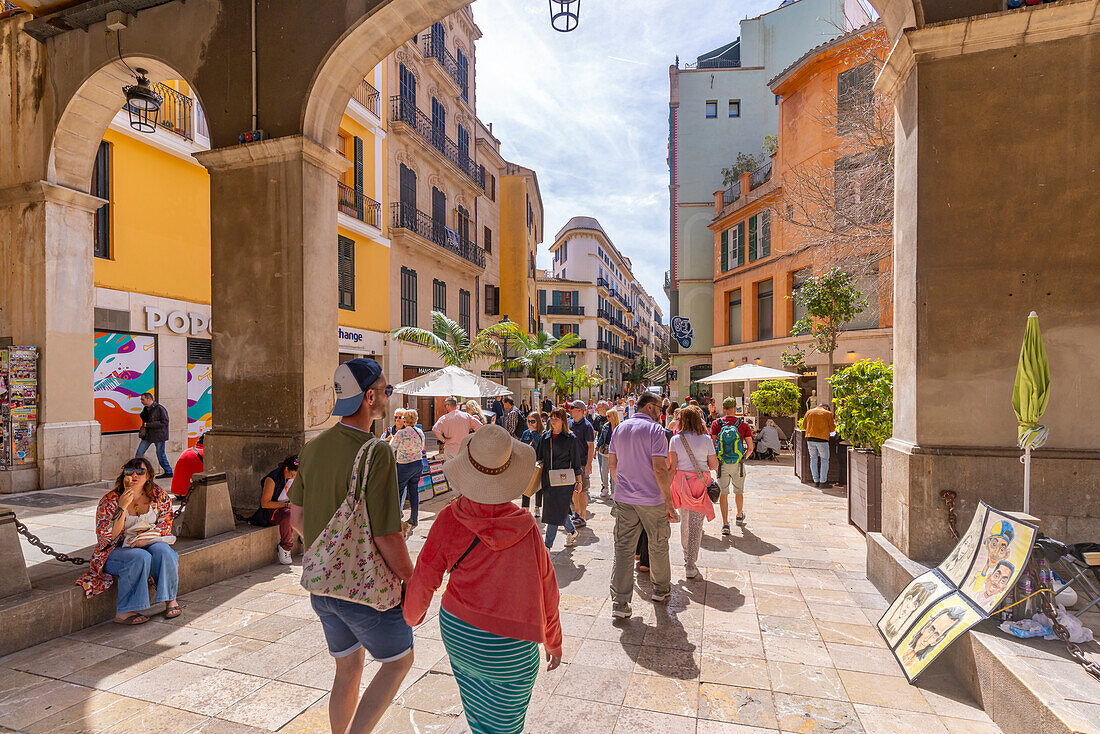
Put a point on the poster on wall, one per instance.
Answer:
(125, 368)
(200, 404)
(935, 608)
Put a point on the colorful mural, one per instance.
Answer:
(200, 404)
(125, 367)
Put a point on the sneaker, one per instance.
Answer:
(741, 520)
(578, 522)
(621, 610)
(284, 556)
(826, 485)
(165, 475)
(725, 530)
(660, 598)
(571, 539)
(691, 572)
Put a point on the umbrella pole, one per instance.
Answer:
(1026, 460)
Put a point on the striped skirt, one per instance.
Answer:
(495, 675)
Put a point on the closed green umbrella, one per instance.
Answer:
(1030, 394)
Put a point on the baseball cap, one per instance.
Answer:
(352, 380)
(1004, 530)
(579, 404)
(729, 403)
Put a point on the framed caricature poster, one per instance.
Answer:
(935, 608)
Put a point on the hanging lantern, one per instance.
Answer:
(565, 14)
(142, 103)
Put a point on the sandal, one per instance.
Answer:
(132, 620)
(173, 612)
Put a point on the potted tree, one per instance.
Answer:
(863, 396)
(777, 399)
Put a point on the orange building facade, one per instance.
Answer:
(761, 260)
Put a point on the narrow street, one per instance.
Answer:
(775, 635)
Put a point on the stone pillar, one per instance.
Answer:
(46, 301)
(274, 303)
(997, 140)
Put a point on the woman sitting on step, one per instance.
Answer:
(134, 537)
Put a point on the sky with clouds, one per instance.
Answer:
(588, 110)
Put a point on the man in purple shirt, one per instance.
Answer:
(643, 501)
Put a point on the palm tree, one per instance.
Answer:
(451, 342)
(538, 352)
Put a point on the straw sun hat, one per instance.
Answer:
(491, 467)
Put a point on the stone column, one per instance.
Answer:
(274, 303)
(46, 301)
(997, 143)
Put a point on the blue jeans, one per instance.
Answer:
(408, 484)
(819, 454)
(552, 530)
(349, 626)
(161, 456)
(134, 566)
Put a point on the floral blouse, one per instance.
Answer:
(95, 580)
(407, 444)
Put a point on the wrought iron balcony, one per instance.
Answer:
(560, 309)
(421, 223)
(732, 194)
(366, 95)
(581, 344)
(604, 345)
(603, 313)
(403, 109)
(602, 283)
(357, 205)
(434, 48)
(761, 175)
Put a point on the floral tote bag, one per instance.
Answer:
(343, 561)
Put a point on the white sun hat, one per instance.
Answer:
(491, 467)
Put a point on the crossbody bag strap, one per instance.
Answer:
(359, 477)
(694, 461)
(463, 556)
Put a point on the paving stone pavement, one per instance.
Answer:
(775, 635)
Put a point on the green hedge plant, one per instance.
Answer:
(863, 395)
(776, 398)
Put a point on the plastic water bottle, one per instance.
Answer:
(1027, 588)
(1046, 575)
(1006, 614)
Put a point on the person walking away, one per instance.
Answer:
(560, 457)
(768, 441)
(453, 426)
(691, 455)
(818, 425)
(547, 405)
(643, 500)
(473, 409)
(154, 432)
(408, 449)
(513, 418)
(582, 430)
(599, 421)
(733, 441)
(532, 436)
(501, 600)
(322, 488)
(133, 527)
(274, 506)
(187, 465)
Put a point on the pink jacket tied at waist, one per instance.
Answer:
(690, 493)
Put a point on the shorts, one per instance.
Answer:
(586, 484)
(730, 479)
(349, 626)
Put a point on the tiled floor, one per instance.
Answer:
(776, 635)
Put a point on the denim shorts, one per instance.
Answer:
(349, 626)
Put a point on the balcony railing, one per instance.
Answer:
(355, 204)
(560, 309)
(761, 175)
(403, 109)
(366, 95)
(176, 111)
(602, 283)
(732, 194)
(604, 345)
(421, 223)
(581, 344)
(434, 48)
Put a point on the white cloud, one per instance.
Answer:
(588, 110)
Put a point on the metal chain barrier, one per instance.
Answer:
(952, 519)
(1073, 648)
(40, 545)
(183, 503)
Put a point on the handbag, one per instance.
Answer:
(714, 492)
(559, 477)
(343, 561)
(535, 484)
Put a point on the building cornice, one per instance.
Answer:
(43, 191)
(278, 150)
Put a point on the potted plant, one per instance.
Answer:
(777, 399)
(863, 395)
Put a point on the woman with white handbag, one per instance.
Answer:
(560, 457)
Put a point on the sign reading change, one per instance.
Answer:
(938, 606)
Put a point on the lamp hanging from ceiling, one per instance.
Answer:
(142, 103)
(565, 15)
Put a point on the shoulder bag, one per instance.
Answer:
(343, 561)
(560, 477)
(713, 490)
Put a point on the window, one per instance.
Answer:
(408, 197)
(439, 295)
(464, 310)
(734, 310)
(798, 311)
(463, 144)
(752, 238)
(463, 74)
(345, 262)
(439, 123)
(712, 109)
(463, 223)
(492, 187)
(733, 247)
(488, 240)
(408, 297)
(854, 90)
(407, 86)
(492, 300)
(724, 250)
(101, 187)
(764, 309)
(735, 108)
(765, 228)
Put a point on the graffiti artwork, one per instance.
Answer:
(682, 331)
(200, 402)
(125, 367)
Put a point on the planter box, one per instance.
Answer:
(838, 470)
(865, 490)
(801, 456)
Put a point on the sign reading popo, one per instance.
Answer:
(178, 322)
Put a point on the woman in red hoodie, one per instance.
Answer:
(502, 597)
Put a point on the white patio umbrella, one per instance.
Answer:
(452, 380)
(747, 373)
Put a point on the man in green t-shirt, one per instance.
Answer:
(324, 470)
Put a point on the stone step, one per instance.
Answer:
(1026, 686)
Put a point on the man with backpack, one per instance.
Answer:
(732, 442)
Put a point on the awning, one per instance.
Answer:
(452, 381)
(749, 372)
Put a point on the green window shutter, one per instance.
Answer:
(741, 244)
(752, 238)
(542, 302)
(346, 272)
(725, 250)
(766, 233)
(576, 298)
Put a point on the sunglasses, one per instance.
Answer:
(532, 421)
(389, 390)
(140, 471)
